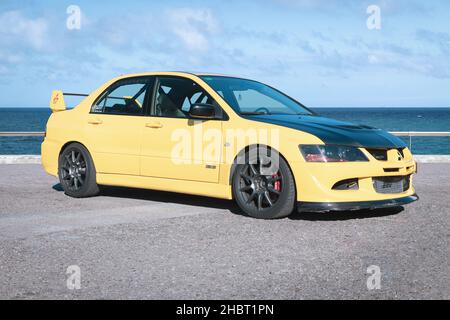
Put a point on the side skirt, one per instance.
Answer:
(214, 190)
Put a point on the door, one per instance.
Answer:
(115, 125)
(174, 145)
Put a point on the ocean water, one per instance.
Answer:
(391, 119)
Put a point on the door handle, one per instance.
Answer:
(95, 121)
(154, 125)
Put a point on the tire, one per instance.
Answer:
(259, 195)
(76, 172)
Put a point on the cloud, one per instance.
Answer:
(406, 7)
(357, 55)
(320, 36)
(441, 40)
(415, 63)
(240, 32)
(316, 4)
(20, 37)
(34, 49)
(18, 30)
(328, 7)
(285, 39)
(391, 7)
(193, 27)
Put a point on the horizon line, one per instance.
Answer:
(311, 107)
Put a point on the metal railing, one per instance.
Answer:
(22, 134)
(411, 134)
(395, 133)
(421, 133)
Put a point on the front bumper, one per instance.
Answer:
(316, 182)
(350, 206)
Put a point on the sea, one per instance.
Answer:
(391, 119)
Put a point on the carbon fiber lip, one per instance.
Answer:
(351, 206)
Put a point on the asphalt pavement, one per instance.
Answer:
(141, 244)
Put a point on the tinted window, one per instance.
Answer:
(124, 97)
(175, 96)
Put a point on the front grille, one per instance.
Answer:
(388, 185)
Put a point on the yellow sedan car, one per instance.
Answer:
(223, 137)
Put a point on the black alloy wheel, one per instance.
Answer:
(264, 193)
(76, 172)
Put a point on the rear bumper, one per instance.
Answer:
(49, 156)
(359, 205)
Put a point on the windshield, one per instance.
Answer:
(248, 97)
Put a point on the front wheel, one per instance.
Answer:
(77, 172)
(262, 194)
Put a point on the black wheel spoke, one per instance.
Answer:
(267, 196)
(73, 169)
(253, 169)
(69, 160)
(246, 177)
(246, 188)
(251, 198)
(260, 199)
(272, 190)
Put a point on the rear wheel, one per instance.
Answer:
(77, 172)
(263, 193)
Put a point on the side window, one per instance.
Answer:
(174, 97)
(125, 97)
(198, 97)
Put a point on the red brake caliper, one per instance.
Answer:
(277, 184)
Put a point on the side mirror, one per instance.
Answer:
(202, 111)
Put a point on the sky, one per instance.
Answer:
(321, 52)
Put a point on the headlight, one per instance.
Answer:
(324, 153)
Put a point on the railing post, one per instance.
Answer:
(410, 141)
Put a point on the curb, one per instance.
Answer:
(432, 159)
(20, 159)
(35, 159)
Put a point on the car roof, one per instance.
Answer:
(198, 74)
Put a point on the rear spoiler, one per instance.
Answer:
(57, 100)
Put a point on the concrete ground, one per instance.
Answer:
(155, 245)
